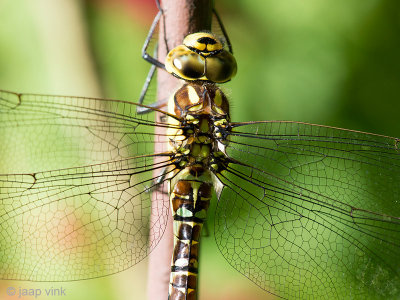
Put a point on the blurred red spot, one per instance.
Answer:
(142, 11)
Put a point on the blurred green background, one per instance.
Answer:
(332, 63)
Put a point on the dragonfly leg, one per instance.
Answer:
(146, 86)
(161, 178)
(156, 183)
(158, 104)
(140, 110)
(154, 61)
(221, 25)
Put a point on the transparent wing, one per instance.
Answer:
(309, 211)
(68, 222)
(52, 132)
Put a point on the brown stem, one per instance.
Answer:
(179, 19)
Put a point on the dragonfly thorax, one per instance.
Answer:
(199, 142)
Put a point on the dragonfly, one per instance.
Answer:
(303, 210)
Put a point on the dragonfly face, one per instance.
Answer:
(201, 57)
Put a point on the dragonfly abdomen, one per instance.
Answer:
(194, 146)
(190, 200)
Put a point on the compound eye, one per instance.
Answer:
(185, 63)
(221, 67)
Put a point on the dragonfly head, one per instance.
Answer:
(202, 57)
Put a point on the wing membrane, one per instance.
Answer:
(62, 222)
(61, 132)
(80, 223)
(310, 211)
